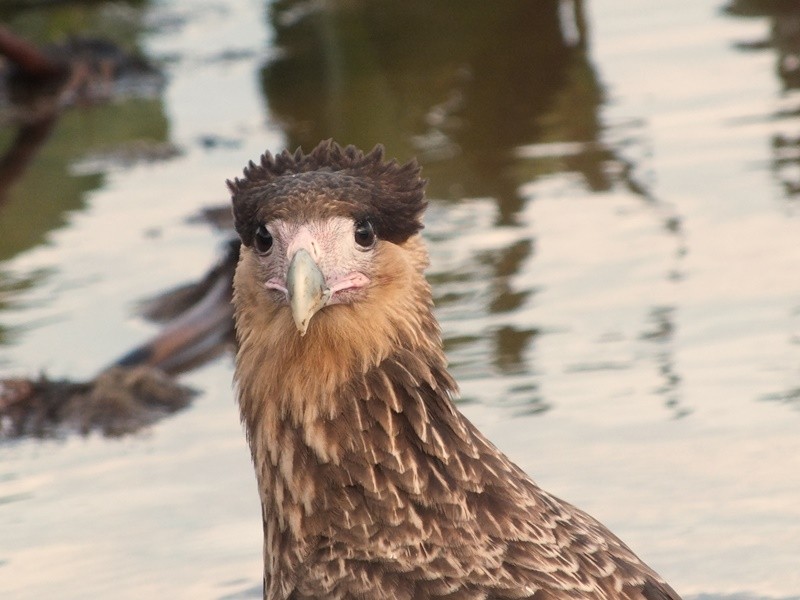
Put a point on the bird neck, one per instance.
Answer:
(366, 391)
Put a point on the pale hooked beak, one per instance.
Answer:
(306, 288)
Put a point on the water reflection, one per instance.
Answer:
(662, 335)
(784, 40)
(460, 89)
(503, 194)
(784, 34)
(51, 124)
(491, 102)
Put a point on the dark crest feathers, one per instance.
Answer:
(344, 180)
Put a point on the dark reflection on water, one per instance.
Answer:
(504, 264)
(463, 91)
(784, 35)
(51, 188)
(511, 344)
(490, 102)
(48, 130)
(662, 336)
(784, 40)
(47, 21)
(460, 89)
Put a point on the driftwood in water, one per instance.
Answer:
(118, 401)
(200, 324)
(138, 389)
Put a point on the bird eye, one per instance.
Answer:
(364, 234)
(263, 240)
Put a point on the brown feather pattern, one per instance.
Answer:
(372, 484)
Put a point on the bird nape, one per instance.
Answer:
(372, 483)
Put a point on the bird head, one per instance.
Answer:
(317, 228)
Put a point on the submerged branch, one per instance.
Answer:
(139, 389)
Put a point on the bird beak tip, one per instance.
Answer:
(307, 290)
(302, 326)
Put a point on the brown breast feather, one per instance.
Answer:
(415, 503)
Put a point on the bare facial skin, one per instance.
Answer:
(316, 264)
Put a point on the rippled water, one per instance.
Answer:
(615, 239)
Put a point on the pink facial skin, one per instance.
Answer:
(332, 246)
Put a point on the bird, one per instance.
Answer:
(372, 483)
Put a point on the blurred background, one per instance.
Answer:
(615, 238)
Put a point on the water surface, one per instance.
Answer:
(614, 238)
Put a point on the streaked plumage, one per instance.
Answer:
(372, 484)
